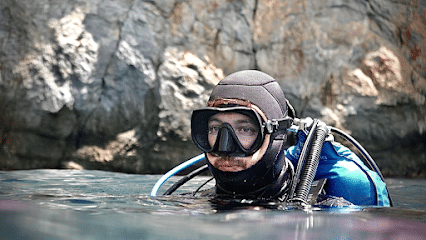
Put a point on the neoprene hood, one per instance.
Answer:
(269, 177)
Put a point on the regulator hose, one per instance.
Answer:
(371, 163)
(185, 179)
(363, 152)
(175, 170)
(302, 158)
(304, 186)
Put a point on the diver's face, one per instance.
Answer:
(246, 130)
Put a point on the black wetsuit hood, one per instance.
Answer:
(269, 177)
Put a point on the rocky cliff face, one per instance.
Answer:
(110, 84)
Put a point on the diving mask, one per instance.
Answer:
(220, 138)
(217, 137)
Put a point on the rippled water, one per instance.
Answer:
(71, 204)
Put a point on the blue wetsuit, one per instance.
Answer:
(346, 174)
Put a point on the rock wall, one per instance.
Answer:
(110, 84)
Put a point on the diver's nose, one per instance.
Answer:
(226, 142)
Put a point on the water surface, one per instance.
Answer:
(73, 204)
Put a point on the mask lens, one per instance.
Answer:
(238, 126)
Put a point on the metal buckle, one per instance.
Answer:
(278, 124)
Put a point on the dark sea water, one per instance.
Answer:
(73, 204)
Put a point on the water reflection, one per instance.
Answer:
(67, 204)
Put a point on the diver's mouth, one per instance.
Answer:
(230, 164)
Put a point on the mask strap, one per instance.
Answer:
(275, 125)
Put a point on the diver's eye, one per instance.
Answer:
(213, 130)
(247, 131)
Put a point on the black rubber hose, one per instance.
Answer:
(302, 158)
(202, 185)
(363, 152)
(371, 163)
(311, 165)
(186, 178)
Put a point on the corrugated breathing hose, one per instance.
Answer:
(305, 183)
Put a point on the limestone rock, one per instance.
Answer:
(111, 84)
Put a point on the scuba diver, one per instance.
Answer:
(243, 132)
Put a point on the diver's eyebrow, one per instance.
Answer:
(239, 121)
(214, 119)
(244, 121)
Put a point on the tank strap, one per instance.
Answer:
(316, 189)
